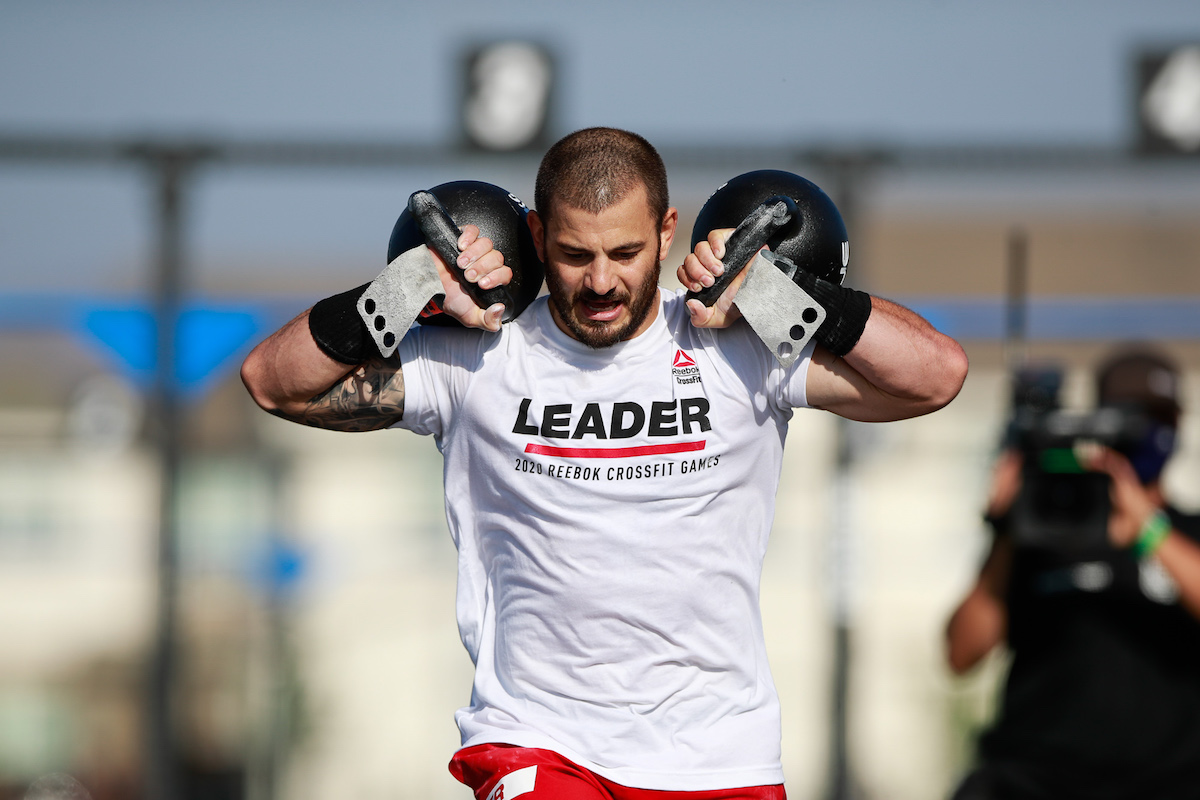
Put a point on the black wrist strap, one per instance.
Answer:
(339, 331)
(846, 312)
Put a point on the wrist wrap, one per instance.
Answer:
(338, 329)
(846, 312)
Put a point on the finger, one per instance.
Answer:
(709, 257)
(682, 276)
(500, 276)
(717, 239)
(491, 317)
(695, 275)
(719, 315)
(490, 262)
(1103, 459)
(699, 313)
(463, 308)
(474, 252)
(469, 234)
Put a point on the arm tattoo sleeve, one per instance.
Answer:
(370, 397)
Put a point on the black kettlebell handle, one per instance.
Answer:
(751, 235)
(441, 236)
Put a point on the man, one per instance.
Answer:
(611, 460)
(1102, 699)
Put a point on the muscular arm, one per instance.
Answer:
(290, 377)
(901, 367)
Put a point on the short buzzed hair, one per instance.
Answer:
(595, 168)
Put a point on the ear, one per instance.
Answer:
(538, 231)
(666, 233)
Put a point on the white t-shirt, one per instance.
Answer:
(611, 510)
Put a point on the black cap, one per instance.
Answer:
(1140, 378)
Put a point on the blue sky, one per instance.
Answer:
(918, 72)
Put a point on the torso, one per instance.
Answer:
(611, 510)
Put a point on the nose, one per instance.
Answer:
(601, 278)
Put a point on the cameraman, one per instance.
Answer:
(1102, 698)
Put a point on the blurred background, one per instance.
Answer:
(198, 600)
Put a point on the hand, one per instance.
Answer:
(1132, 504)
(700, 270)
(483, 265)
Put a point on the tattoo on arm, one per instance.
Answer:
(368, 398)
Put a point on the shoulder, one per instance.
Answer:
(737, 343)
(679, 322)
(454, 345)
(735, 352)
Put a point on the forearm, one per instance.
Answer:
(906, 358)
(900, 367)
(980, 622)
(289, 376)
(974, 630)
(288, 369)
(1180, 557)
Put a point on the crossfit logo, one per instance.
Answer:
(514, 784)
(684, 368)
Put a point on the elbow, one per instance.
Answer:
(948, 377)
(252, 378)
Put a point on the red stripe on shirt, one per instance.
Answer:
(614, 452)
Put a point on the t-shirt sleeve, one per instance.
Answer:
(437, 364)
(792, 390)
(783, 387)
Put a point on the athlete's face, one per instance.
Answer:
(602, 269)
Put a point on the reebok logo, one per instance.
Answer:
(431, 309)
(684, 368)
(514, 784)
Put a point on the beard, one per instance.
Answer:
(595, 334)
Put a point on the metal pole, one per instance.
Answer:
(1016, 318)
(161, 778)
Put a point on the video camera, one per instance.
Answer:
(1061, 505)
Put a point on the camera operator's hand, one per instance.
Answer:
(1132, 503)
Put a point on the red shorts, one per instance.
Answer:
(506, 772)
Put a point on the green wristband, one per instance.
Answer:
(1150, 537)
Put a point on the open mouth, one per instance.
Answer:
(601, 309)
